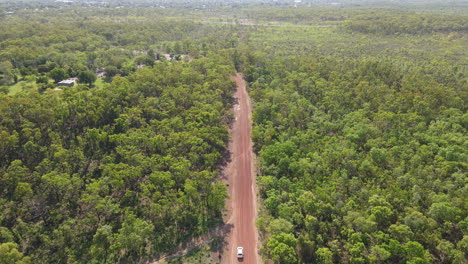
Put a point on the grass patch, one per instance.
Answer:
(99, 83)
(20, 86)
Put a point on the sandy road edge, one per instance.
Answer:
(254, 173)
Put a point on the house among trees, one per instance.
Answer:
(100, 73)
(67, 82)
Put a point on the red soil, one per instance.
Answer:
(242, 204)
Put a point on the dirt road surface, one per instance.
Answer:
(242, 205)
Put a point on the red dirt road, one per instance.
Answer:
(242, 204)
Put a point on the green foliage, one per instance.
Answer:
(87, 77)
(132, 238)
(9, 254)
(58, 74)
(324, 256)
(444, 212)
(283, 253)
(405, 22)
(42, 79)
(362, 148)
(281, 248)
(278, 226)
(144, 60)
(111, 71)
(119, 174)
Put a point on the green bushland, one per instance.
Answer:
(362, 139)
(115, 174)
(359, 123)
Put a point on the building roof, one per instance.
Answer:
(66, 82)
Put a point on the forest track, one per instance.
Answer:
(239, 224)
(242, 204)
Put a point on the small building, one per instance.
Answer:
(68, 83)
(167, 56)
(100, 73)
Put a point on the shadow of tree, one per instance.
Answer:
(216, 239)
(219, 242)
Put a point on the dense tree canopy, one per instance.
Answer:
(115, 174)
(362, 161)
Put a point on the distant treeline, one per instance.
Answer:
(404, 23)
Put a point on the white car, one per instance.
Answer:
(240, 252)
